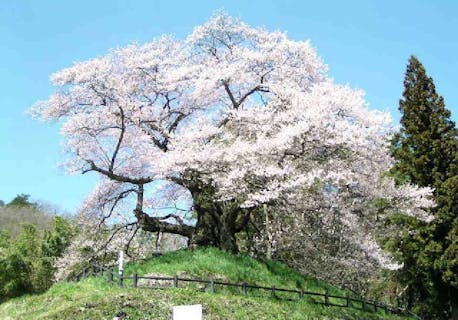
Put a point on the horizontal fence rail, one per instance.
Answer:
(323, 298)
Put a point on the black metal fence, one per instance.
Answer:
(325, 298)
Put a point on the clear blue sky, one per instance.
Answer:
(365, 44)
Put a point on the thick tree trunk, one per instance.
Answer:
(227, 233)
(206, 231)
(217, 224)
(215, 227)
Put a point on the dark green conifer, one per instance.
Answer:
(426, 154)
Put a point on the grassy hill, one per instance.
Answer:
(95, 298)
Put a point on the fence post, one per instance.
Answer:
(212, 286)
(326, 298)
(135, 280)
(273, 291)
(348, 300)
(175, 281)
(375, 306)
(120, 278)
(84, 272)
(301, 294)
(364, 303)
(110, 276)
(244, 288)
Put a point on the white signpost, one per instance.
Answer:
(193, 312)
(121, 262)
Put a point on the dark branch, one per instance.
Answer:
(151, 125)
(130, 240)
(229, 93)
(118, 198)
(118, 144)
(177, 121)
(114, 176)
(172, 216)
(116, 231)
(237, 104)
(255, 89)
(155, 224)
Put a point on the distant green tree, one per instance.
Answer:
(426, 154)
(29, 246)
(27, 262)
(14, 270)
(21, 200)
(58, 238)
(14, 280)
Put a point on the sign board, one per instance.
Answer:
(193, 312)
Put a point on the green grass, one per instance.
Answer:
(211, 263)
(96, 299)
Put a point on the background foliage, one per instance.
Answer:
(30, 243)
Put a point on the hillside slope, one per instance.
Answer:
(95, 298)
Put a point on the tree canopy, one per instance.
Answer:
(230, 119)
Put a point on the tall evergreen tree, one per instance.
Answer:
(426, 153)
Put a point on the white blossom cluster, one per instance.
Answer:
(251, 111)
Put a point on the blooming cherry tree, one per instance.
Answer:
(233, 117)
